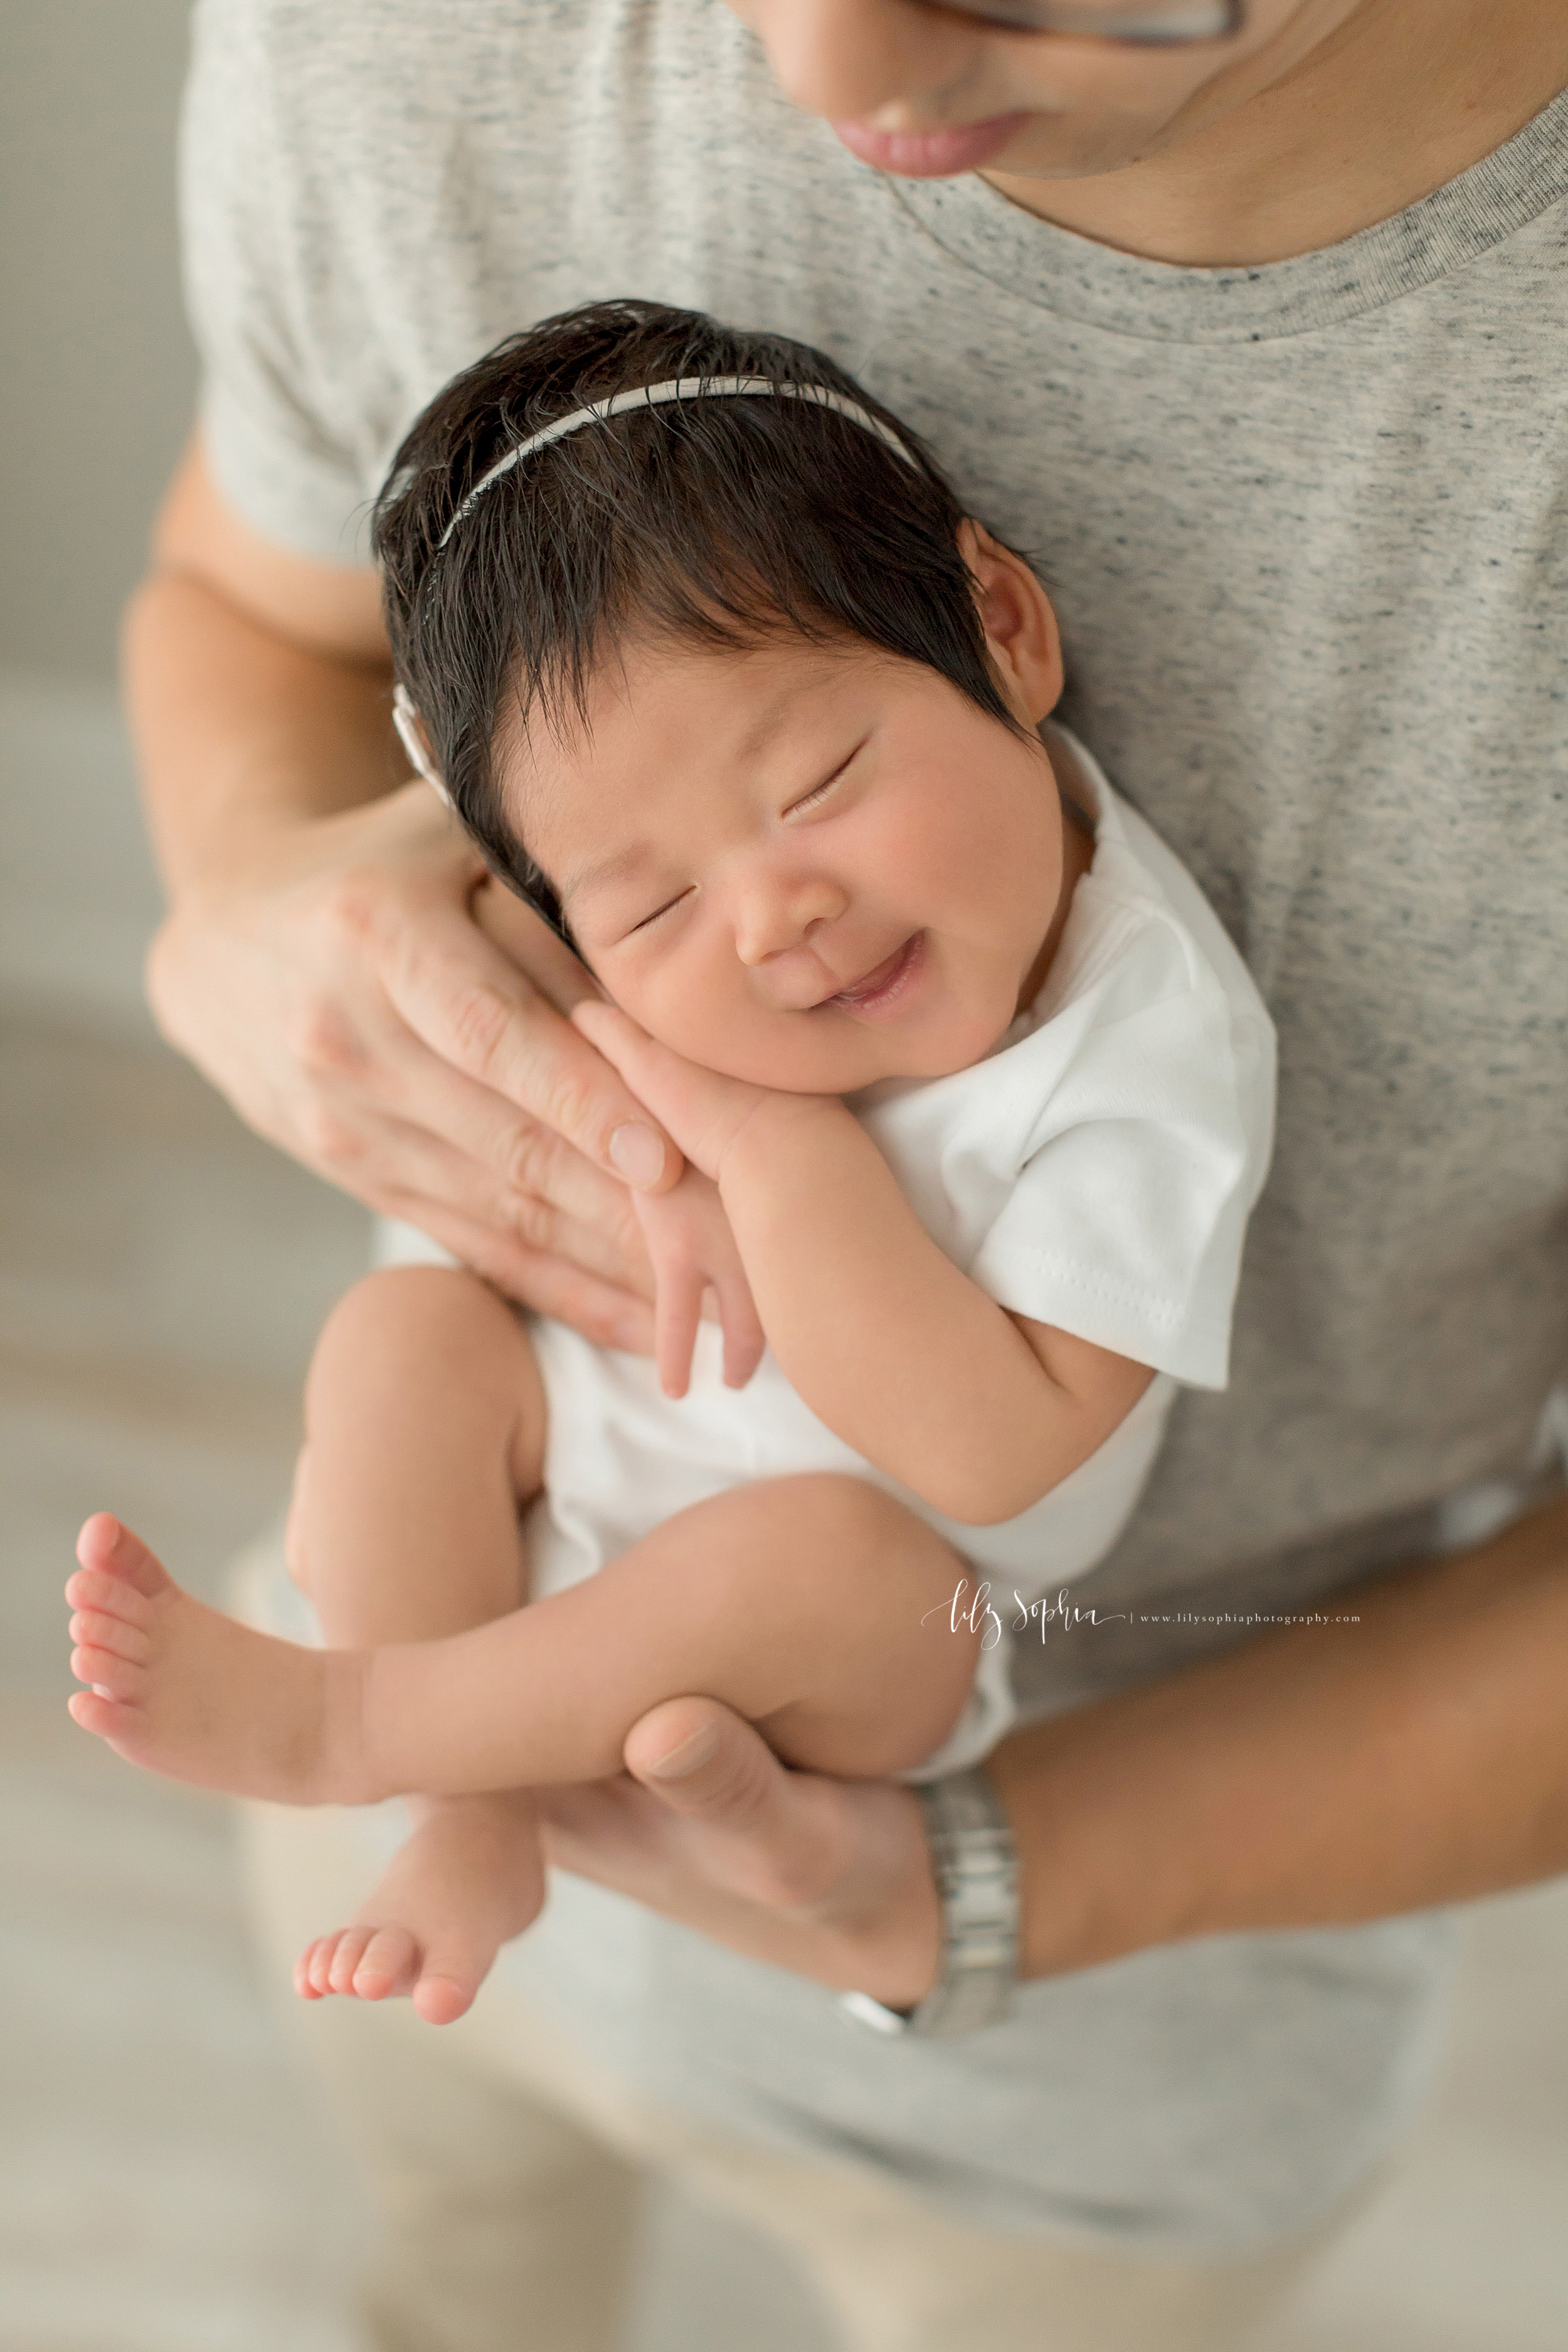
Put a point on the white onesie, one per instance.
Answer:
(1095, 1172)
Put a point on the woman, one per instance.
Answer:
(1253, 331)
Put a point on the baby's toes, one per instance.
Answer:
(443, 1995)
(105, 1672)
(313, 1969)
(336, 1956)
(90, 1629)
(110, 1596)
(390, 1964)
(305, 1983)
(456, 1963)
(322, 1963)
(95, 1712)
(106, 1544)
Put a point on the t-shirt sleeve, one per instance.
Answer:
(1126, 1220)
(251, 215)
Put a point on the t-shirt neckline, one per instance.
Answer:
(1035, 261)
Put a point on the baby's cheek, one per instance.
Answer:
(734, 1039)
(631, 977)
(692, 1012)
(712, 1016)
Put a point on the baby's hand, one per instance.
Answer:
(701, 1109)
(693, 1250)
(687, 1231)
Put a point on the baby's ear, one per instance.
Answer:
(1021, 634)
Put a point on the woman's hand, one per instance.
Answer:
(338, 988)
(335, 961)
(830, 1878)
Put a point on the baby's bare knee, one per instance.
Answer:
(411, 1315)
(855, 1525)
(413, 1330)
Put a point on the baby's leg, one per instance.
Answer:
(424, 1432)
(424, 1429)
(424, 1435)
(816, 1606)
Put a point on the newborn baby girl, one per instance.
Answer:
(975, 1097)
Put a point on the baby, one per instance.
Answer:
(974, 1092)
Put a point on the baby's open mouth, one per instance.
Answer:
(885, 982)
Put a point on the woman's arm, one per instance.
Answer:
(1314, 1776)
(978, 1412)
(319, 960)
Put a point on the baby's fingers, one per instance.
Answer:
(701, 1108)
(676, 1317)
(613, 1034)
(744, 1338)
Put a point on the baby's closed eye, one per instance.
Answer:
(667, 907)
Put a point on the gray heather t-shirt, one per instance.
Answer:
(1305, 526)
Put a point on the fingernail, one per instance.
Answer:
(637, 1152)
(686, 1759)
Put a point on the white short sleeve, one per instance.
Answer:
(279, 424)
(1097, 1172)
(1125, 1221)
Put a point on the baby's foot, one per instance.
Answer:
(182, 1689)
(469, 1878)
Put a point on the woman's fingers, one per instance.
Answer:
(342, 997)
(605, 1312)
(478, 1011)
(831, 1878)
(498, 1167)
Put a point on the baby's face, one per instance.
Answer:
(807, 867)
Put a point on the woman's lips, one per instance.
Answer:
(931, 154)
(887, 983)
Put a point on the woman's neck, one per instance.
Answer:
(1402, 97)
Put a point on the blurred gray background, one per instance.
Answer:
(168, 2177)
(97, 380)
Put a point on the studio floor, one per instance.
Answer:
(169, 2180)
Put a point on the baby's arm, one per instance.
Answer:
(976, 1411)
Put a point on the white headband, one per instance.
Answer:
(684, 387)
(411, 735)
(404, 716)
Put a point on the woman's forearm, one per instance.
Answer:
(1324, 1774)
(240, 732)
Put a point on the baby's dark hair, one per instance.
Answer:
(713, 521)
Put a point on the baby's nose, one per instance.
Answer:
(776, 915)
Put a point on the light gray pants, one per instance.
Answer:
(509, 2170)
